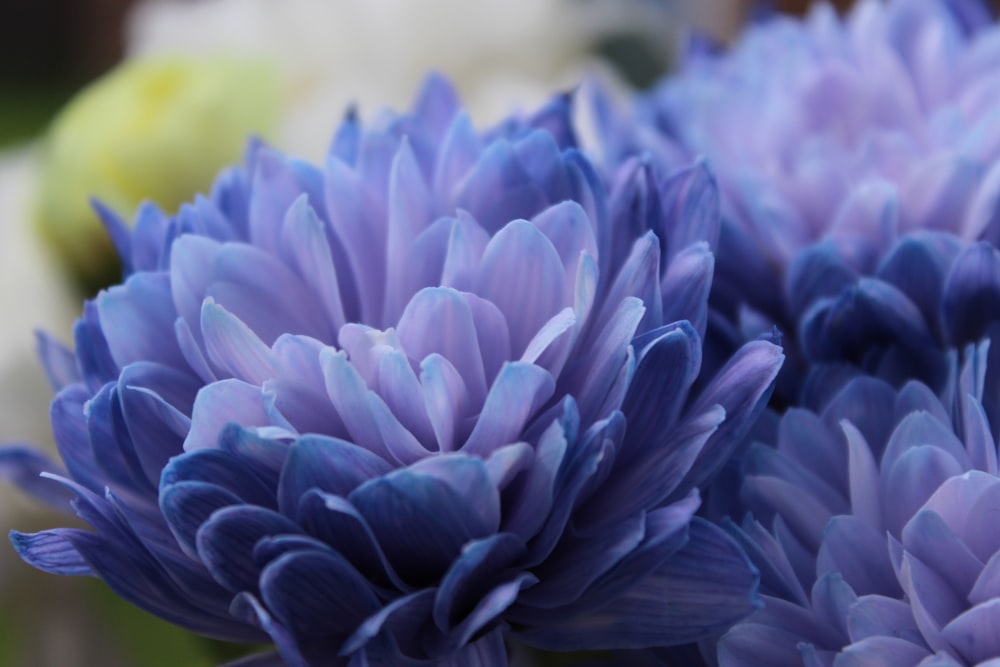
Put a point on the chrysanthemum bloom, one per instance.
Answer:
(833, 138)
(393, 410)
(875, 531)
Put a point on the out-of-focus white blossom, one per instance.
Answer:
(34, 297)
(375, 53)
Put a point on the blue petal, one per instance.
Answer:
(93, 355)
(702, 590)
(488, 651)
(137, 578)
(519, 390)
(577, 562)
(59, 362)
(219, 404)
(269, 659)
(972, 293)
(691, 200)
(816, 272)
(187, 505)
(912, 479)
(881, 652)
(134, 317)
(327, 464)
(421, 522)
(918, 265)
(466, 243)
(875, 615)
(929, 538)
(481, 562)
(264, 294)
(305, 243)
(338, 524)
(221, 469)
(232, 347)
(638, 276)
(409, 203)
(459, 151)
(155, 402)
(516, 262)
(498, 170)
(686, 284)
(571, 232)
(51, 551)
(742, 388)
(226, 543)
(275, 186)
(856, 551)
(663, 376)
(440, 320)
(529, 499)
(248, 608)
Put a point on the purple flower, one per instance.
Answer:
(394, 410)
(834, 141)
(874, 528)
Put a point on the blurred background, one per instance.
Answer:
(110, 97)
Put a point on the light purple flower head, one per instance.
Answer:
(434, 394)
(835, 140)
(874, 527)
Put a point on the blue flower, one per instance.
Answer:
(875, 531)
(833, 140)
(394, 410)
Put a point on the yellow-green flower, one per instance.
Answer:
(156, 129)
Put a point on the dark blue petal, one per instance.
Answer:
(918, 265)
(317, 596)
(220, 469)
(577, 562)
(482, 563)
(488, 651)
(227, 539)
(249, 609)
(187, 505)
(972, 293)
(51, 551)
(93, 355)
(816, 272)
(686, 284)
(702, 590)
(422, 522)
(264, 457)
(269, 659)
(338, 524)
(742, 388)
(326, 464)
(856, 551)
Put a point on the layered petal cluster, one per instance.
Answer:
(875, 531)
(394, 409)
(834, 138)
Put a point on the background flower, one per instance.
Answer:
(438, 390)
(872, 530)
(832, 138)
(500, 56)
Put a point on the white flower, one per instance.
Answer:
(500, 55)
